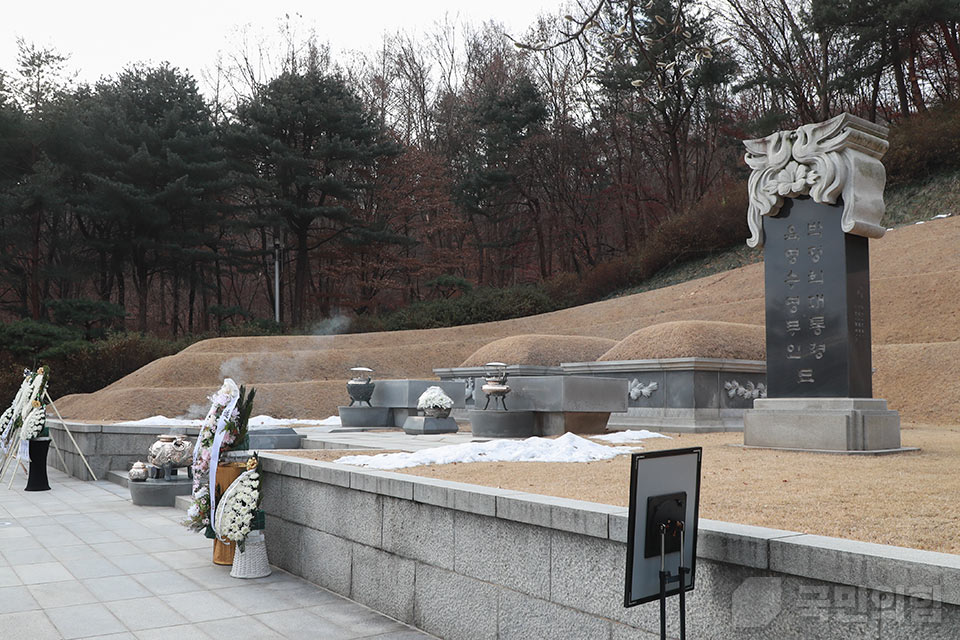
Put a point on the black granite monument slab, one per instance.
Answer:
(817, 285)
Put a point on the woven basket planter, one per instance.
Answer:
(252, 561)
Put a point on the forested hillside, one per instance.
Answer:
(507, 172)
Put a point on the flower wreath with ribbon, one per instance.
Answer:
(238, 511)
(223, 429)
(26, 418)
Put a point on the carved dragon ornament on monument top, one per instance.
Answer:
(838, 158)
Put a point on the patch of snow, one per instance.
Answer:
(162, 421)
(267, 421)
(629, 436)
(919, 222)
(942, 215)
(256, 421)
(567, 448)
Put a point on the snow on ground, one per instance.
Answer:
(162, 421)
(628, 436)
(567, 448)
(256, 421)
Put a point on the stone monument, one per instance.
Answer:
(816, 196)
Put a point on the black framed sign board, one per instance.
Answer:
(662, 524)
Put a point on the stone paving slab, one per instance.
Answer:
(327, 438)
(82, 561)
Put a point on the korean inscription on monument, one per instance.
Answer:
(814, 227)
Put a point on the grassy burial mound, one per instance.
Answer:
(915, 284)
(544, 350)
(691, 339)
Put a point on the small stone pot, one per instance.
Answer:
(138, 472)
(436, 412)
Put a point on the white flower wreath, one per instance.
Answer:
(33, 424)
(25, 418)
(434, 398)
(237, 508)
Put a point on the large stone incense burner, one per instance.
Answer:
(170, 452)
(816, 196)
(361, 386)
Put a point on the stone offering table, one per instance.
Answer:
(468, 376)
(580, 404)
(395, 400)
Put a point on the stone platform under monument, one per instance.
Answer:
(829, 425)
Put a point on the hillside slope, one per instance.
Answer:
(915, 280)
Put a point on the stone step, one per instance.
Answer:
(318, 443)
(118, 477)
(183, 502)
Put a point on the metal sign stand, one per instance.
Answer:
(662, 530)
(667, 577)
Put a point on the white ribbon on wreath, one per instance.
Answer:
(218, 437)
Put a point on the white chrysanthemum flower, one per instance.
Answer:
(236, 508)
(33, 424)
(434, 397)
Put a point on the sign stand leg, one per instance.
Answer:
(663, 583)
(663, 605)
(667, 577)
(681, 570)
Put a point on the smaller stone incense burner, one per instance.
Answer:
(360, 387)
(495, 384)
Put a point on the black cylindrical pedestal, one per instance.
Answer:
(37, 480)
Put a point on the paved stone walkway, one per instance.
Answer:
(81, 561)
(334, 438)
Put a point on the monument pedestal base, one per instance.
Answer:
(419, 425)
(835, 425)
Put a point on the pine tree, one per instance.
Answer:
(308, 146)
(155, 172)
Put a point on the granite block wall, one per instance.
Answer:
(464, 562)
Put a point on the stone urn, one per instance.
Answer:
(436, 412)
(170, 449)
(138, 472)
(495, 384)
(360, 387)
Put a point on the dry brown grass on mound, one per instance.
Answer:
(921, 381)
(691, 339)
(538, 349)
(310, 399)
(204, 368)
